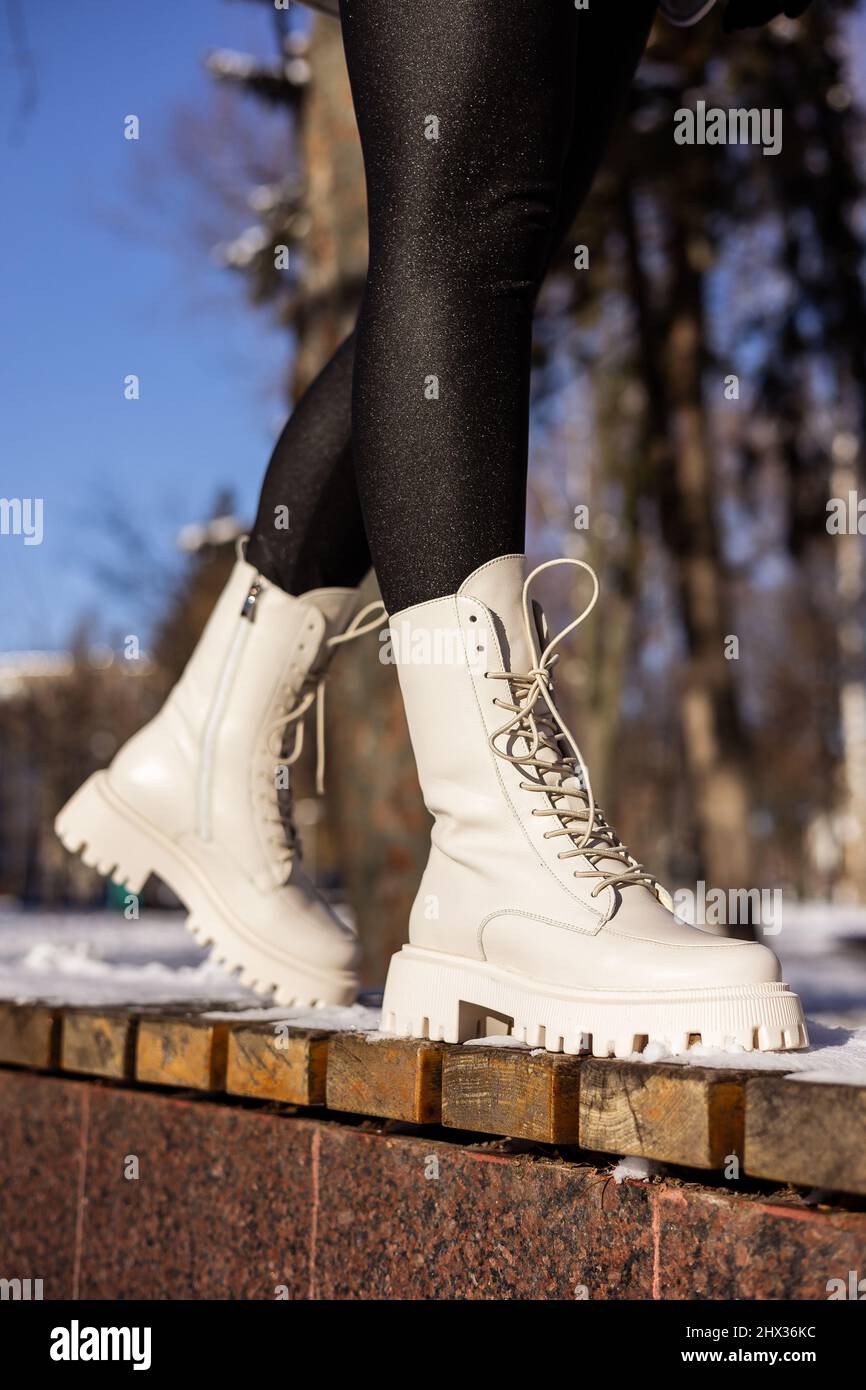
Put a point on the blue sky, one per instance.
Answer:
(87, 299)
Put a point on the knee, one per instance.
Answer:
(510, 233)
(493, 242)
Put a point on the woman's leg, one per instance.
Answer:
(309, 532)
(475, 119)
(310, 479)
(610, 42)
(465, 115)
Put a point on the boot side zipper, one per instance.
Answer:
(204, 788)
(249, 609)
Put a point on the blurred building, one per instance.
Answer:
(62, 715)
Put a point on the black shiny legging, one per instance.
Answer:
(482, 124)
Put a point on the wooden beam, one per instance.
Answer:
(807, 1132)
(503, 1090)
(29, 1035)
(674, 1113)
(180, 1050)
(99, 1043)
(391, 1078)
(273, 1061)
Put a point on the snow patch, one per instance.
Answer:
(835, 1055)
(350, 1018)
(99, 959)
(637, 1169)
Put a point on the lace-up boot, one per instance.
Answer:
(532, 917)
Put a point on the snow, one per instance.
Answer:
(351, 1018)
(98, 958)
(635, 1169)
(835, 1055)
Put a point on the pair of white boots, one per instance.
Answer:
(531, 916)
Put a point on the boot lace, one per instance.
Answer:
(311, 692)
(535, 719)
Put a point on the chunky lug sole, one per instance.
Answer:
(120, 844)
(449, 999)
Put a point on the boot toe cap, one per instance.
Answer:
(712, 963)
(731, 963)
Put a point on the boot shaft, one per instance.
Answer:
(207, 765)
(452, 655)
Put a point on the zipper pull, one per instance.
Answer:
(249, 609)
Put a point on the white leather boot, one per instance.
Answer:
(530, 911)
(193, 797)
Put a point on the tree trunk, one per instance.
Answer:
(852, 692)
(714, 737)
(335, 252)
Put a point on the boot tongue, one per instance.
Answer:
(499, 586)
(335, 605)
